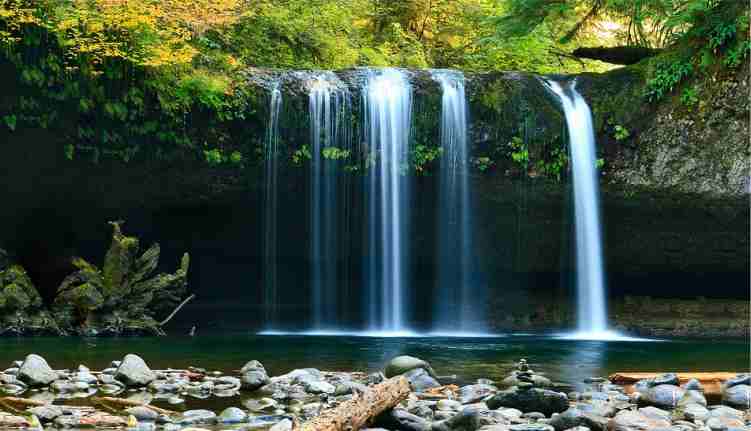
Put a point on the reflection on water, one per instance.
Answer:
(567, 361)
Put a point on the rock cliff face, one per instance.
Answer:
(675, 193)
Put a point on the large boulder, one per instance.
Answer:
(530, 400)
(134, 372)
(662, 396)
(403, 364)
(35, 371)
(629, 420)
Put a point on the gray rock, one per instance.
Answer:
(143, 414)
(693, 385)
(420, 380)
(629, 420)
(692, 412)
(469, 419)
(63, 386)
(254, 379)
(448, 405)
(319, 387)
(474, 393)
(46, 413)
(536, 426)
(252, 366)
(655, 413)
(283, 425)
(191, 417)
(405, 421)
(134, 372)
(232, 415)
(514, 379)
(403, 364)
(724, 411)
(36, 372)
(535, 399)
(740, 379)
(692, 396)
(663, 396)
(738, 395)
(724, 423)
(576, 417)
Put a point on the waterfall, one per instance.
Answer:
(330, 113)
(270, 272)
(459, 301)
(590, 283)
(387, 100)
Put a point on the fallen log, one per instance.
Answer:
(17, 405)
(124, 404)
(616, 54)
(710, 381)
(362, 408)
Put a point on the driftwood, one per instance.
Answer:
(125, 404)
(356, 413)
(616, 54)
(710, 381)
(18, 405)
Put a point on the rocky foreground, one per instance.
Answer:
(126, 395)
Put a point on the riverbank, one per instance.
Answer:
(128, 394)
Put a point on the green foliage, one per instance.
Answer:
(620, 133)
(554, 165)
(519, 152)
(483, 163)
(667, 76)
(10, 122)
(423, 157)
(125, 286)
(333, 153)
(689, 97)
(216, 157)
(301, 154)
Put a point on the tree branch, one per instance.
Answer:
(188, 299)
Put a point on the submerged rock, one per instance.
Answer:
(36, 372)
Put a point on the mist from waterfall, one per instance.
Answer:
(271, 204)
(387, 101)
(590, 280)
(330, 114)
(459, 302)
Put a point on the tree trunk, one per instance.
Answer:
(356, 413)
(617, 54)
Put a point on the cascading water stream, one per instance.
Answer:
(330, 112)
(459, 302)
(270, 274)
(590, 280)
(387, 100)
